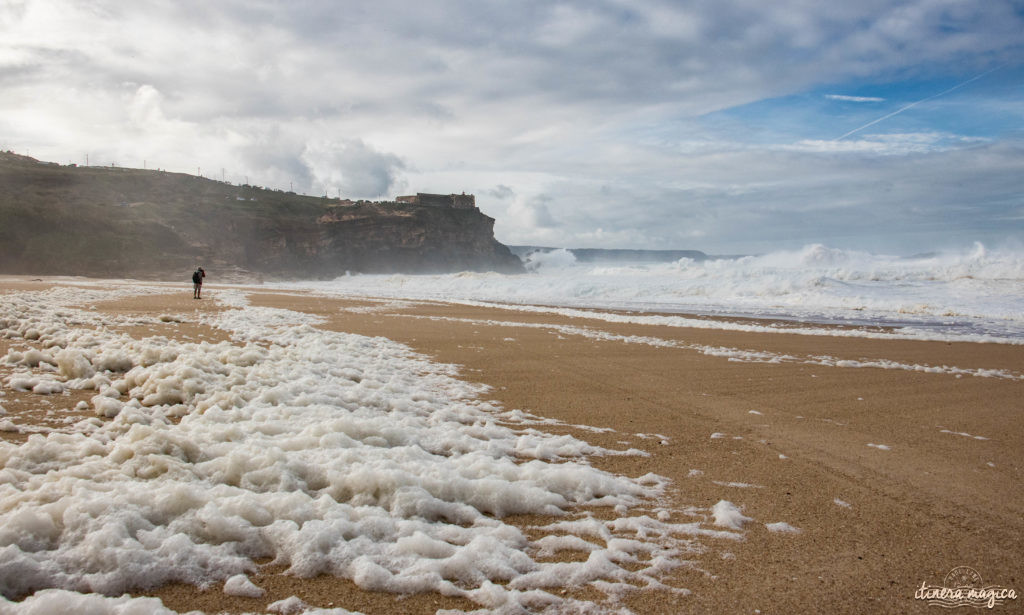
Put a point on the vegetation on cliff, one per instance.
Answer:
(117, 222)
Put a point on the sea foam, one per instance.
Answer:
(324, 452)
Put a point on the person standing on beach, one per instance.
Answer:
(197, 283)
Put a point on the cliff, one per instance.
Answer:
(115, 222)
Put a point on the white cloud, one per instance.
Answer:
(887, 144)
(351, 167)
(542, 99)
(845, 98)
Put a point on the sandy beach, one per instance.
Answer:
(865, 467)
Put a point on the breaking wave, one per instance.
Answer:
(978, 290)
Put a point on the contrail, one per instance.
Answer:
(914, 104)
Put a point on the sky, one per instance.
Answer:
(729, 126)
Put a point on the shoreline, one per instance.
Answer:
(786, 441)
(881, 326)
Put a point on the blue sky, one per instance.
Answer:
(981, 108)
(700, 124)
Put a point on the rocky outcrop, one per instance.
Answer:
(113, 222)
(411, 238)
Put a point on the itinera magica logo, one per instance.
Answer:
(963, 586)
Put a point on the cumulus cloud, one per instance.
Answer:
(351, 167)
(502, 192)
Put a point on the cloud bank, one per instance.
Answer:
(577, 123)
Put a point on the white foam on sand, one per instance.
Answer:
(782, 527)
(325, 452)
(240, 585)
(49, 601)
(736, 484)
(728, 515)
(738, 355)
(963, 434)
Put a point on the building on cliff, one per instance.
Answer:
(455, 201)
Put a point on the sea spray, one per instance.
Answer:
(972, 294)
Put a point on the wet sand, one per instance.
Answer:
(879, 469)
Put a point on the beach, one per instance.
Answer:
(853, 469)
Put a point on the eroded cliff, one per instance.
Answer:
(114, 222)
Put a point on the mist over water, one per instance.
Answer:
(978, 291)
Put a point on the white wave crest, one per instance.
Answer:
(977, 291)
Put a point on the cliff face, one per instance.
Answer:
(114, 222)
(411, 238)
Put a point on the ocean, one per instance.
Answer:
(971, 295)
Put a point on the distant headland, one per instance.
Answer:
(148, 224)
